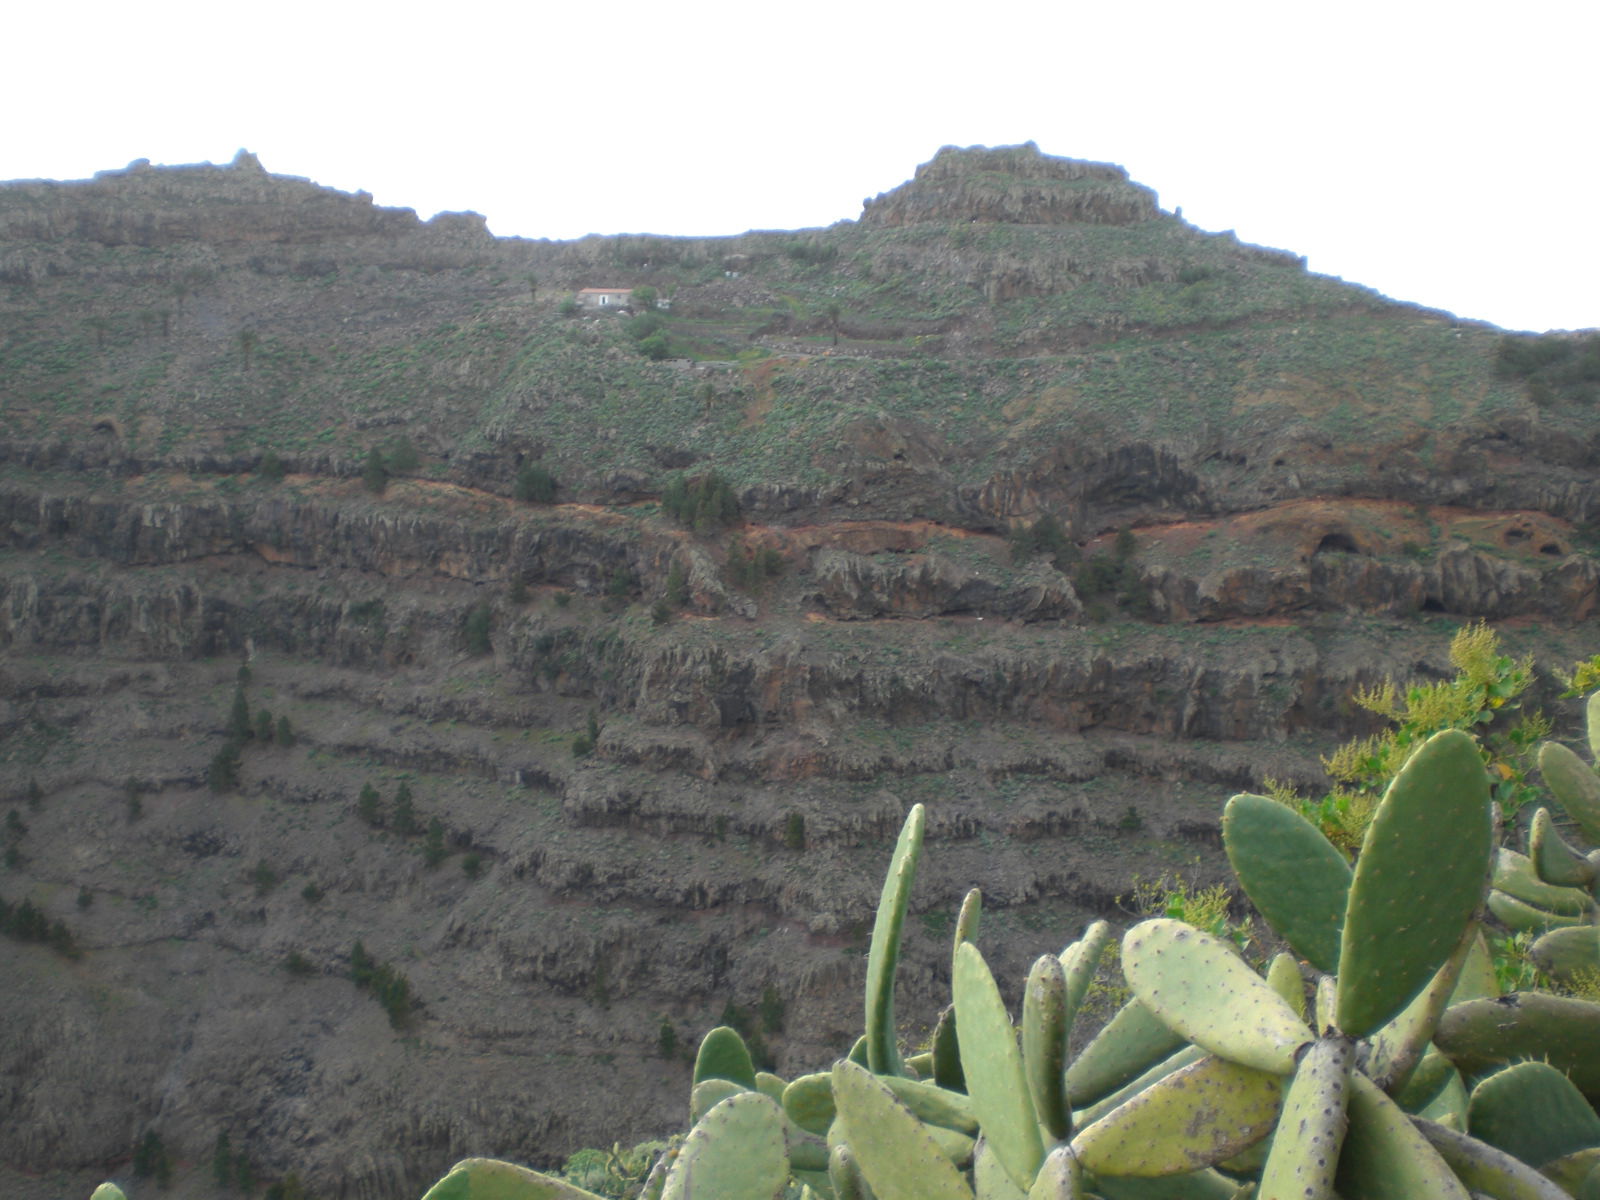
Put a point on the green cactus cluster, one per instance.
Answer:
(1376, 1060)
(1553, 891)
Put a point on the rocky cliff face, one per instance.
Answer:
(667, 757)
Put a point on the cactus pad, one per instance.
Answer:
(1045, 1026)
(1564, 953)
(1574, 783)
(1305, 1148)
(1532, 1112)
(1384, 1157)
(808, 1102)
(1487, 1171)
(883, 1056)
(1563, 1031)
(734, 1152)
(1060, 1178)
(1419, 879)
(1200, 987)
(723, 1055)
(488, 1179)
(1521, 917)
(993, 1068)
(1516, 875)
(1296, 877)
(1132, 1042)
(1553, 860)
(1200, 1115)
(894, 1152)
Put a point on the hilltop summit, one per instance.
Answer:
(1016, 185)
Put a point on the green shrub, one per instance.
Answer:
(151, 1160)
(285, 734)
(402, 458)
(367, 805)
(794, 831)
(375, 475)
(239, 726)
(704, 503)
(222, 772)
(263, 877)
(535, 484)
(391, 988)
(433, 849)
(271, 468)
(475, 630)
(405, 816)
(472, 864)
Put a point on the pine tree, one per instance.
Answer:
(367, 805)
(239, 726)
(433, 851)
(285, 733)
(374, 475)
(405, 817)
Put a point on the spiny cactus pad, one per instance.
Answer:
(1521, 917)
(1484, 1169)
(1563, 954)
(1515, 875)
(1305, 1148)
(897, 1156)
(1129, 1044)
(1200, 987)
(1045, 1026)
(947, 1053)
(1296, 877)
(1185, 1056)
(1080, 961)
(1421, 874)
(1532, 1112)
(709, 1093)
(1562, 1031)
(1384, 1157)
(808, 1102)
(1193, 1118)
(1574, 783)
(723, 1055)
(1060, 1178)
(993, 1067)
(1553, 859)
(883, 1056)
(1283, 977)
(734, 1152)
(488, 1179)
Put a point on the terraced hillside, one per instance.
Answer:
(1017, 496)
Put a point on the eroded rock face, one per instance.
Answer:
(1014, 185)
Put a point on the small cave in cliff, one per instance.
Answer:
(1336, 543)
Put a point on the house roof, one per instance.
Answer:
(587, 291)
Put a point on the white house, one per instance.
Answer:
(605, 297)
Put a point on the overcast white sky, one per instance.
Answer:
(1443, 153)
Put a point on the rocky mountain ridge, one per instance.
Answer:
(667, 755)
